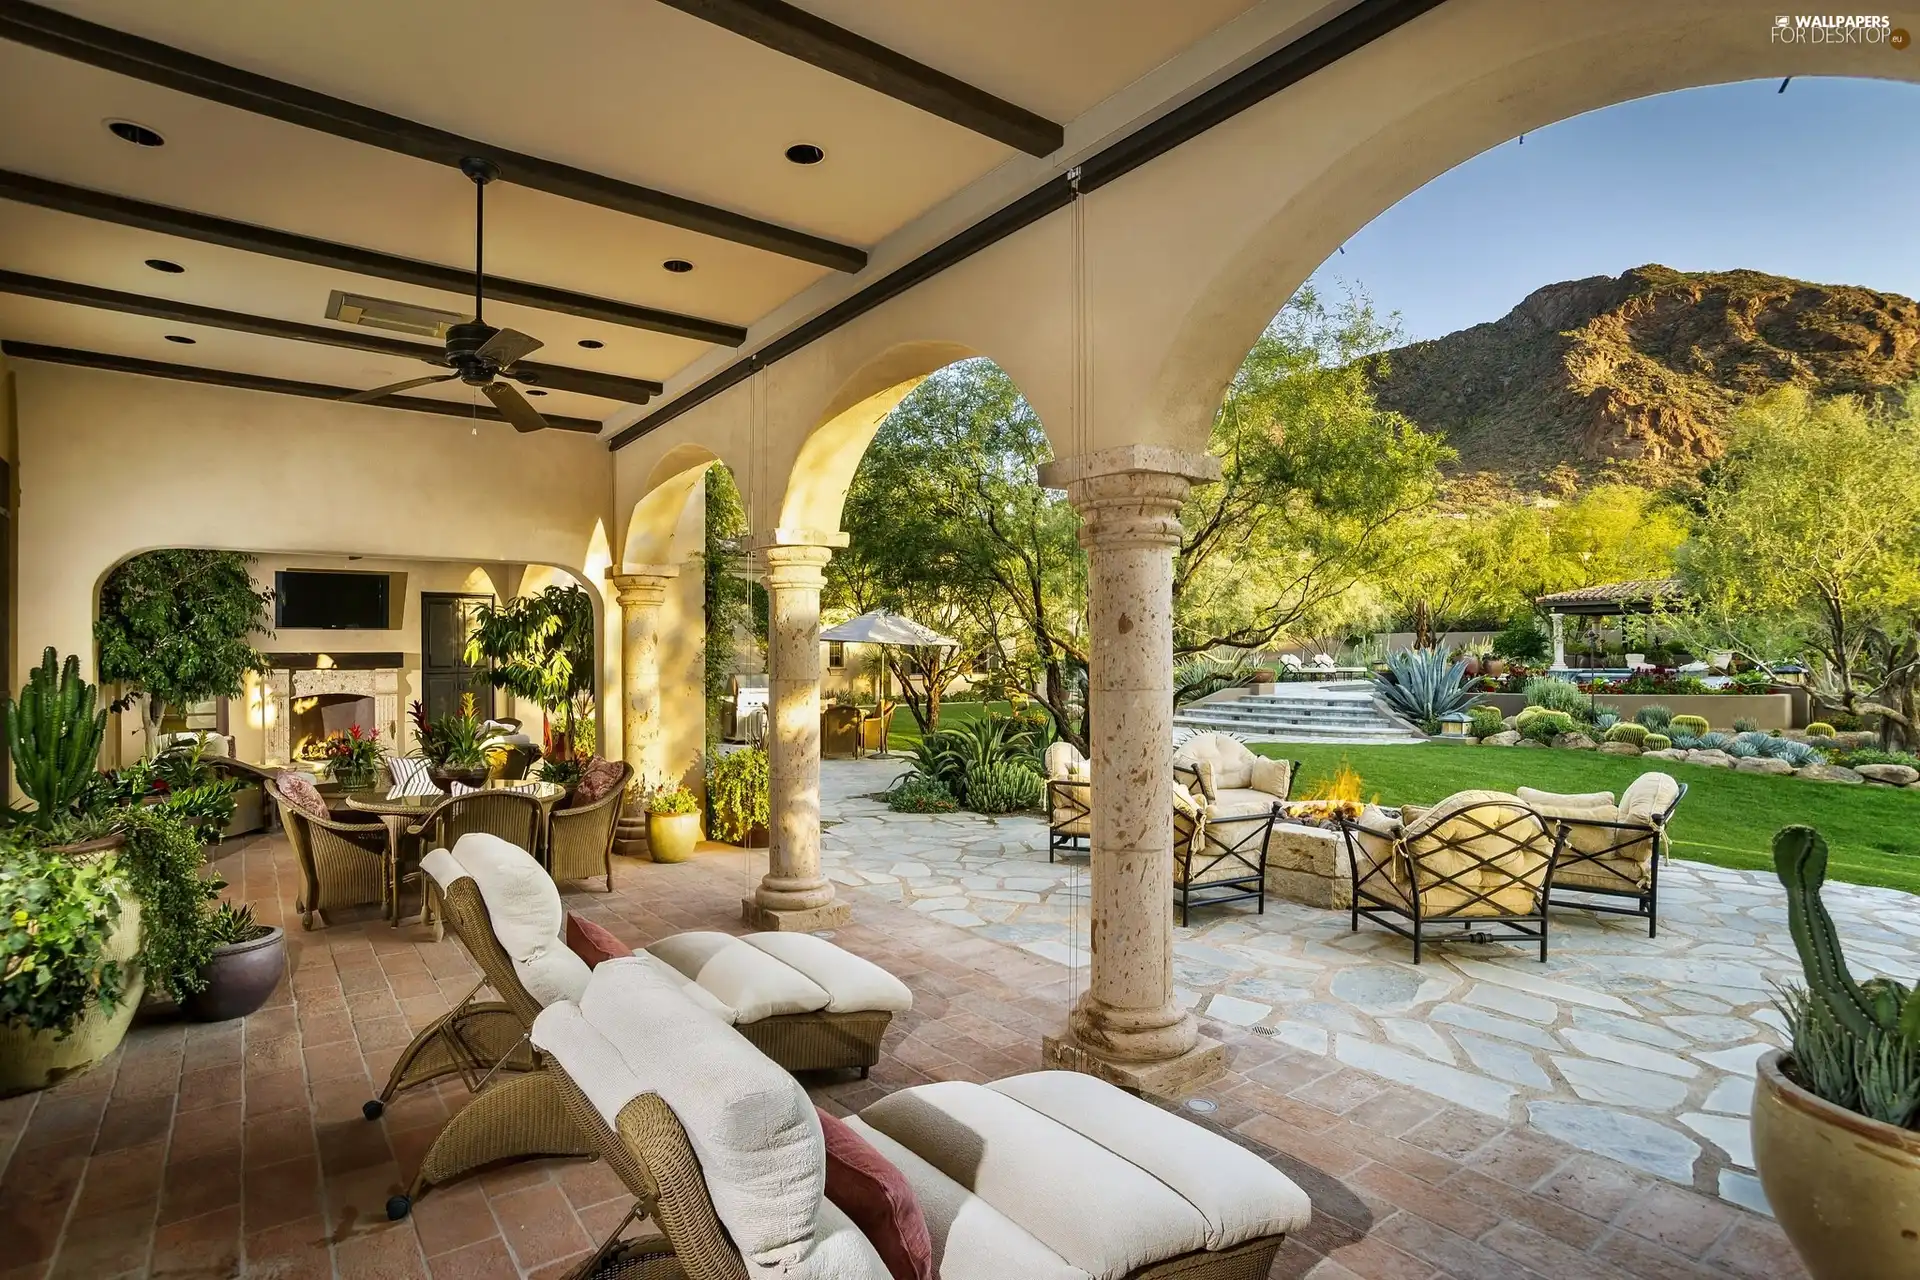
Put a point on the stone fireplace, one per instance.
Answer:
(309, 704)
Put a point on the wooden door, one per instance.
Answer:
(445, 623)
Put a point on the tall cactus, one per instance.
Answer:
(1856, 1044)
(54, 730)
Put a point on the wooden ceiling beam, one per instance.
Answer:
(817, 42)
(257, 382)
(104, 207)
(552, 377)
(57, 33)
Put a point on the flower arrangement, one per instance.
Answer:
(353, 755)
(458, 740)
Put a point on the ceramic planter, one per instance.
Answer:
(1844, 1188)
(446, 774)
(31, 1060)
(240, 977)
(672, 836)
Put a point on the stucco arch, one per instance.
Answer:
(657, 516)
(1539, 79)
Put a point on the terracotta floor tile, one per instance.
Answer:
(210, 1087)
(281, 1193)
(390, 1253)
(278, 1136)
(539, 1225)
(202, 1248)
(275, 1092)
(134, 1122)
(452, 1218)
(201, 1186)
(107, 1245)
(486, 1260)
(294, 1250)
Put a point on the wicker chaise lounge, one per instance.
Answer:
(806, 1003)
(1048, 1176)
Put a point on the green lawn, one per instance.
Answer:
(903, 734)
(1727, 818)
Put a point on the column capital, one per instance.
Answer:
(642, 584)
(796, 565)
(1130, 496)
(830, 539)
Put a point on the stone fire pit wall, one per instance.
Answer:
(1309, 865)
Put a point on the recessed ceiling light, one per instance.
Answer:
(161, 264)
(182, 339)
(592, 344)
(679, 266)
(533, 391)
(805, 153)
(138, 134)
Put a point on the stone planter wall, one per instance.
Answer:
(1308, 865)
(1768, 710)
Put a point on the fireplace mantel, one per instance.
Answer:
(283, 685)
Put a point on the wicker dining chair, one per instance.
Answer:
(580, 841)
(514, 816)
(342, 864)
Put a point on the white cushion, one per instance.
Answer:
(1100, 1212)
(746, 979)
(1270, 776)
(1544, 800)
(1649, 795)
(688, 987)
(1231, 760)
(853, 985)
(839, 1251)
(410, 777)
(588, 1057)
(750, 1124)
(1241, 802)
(528, 920)
(1241, 1196)
(1063, 760)
(972, 1240)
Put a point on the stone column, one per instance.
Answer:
(641, 591)
(1128, 1028)
(1559, 621)
(793, 895)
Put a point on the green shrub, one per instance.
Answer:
(1846, 721)
(162, 859)
(1820, 729)
(1656, 742)
(739, 787)
(1003, 786)
(1873, 755)
(1556, 694)
(1657, 718)
(1523, 639)
(1628, 732)
(917, 793)
(1487, 721)
(1544, 725)
(1694, 725)
(1744, 724)
(56, 913)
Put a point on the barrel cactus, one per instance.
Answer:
(54, 730)
(1820, 729)
(1692, 726)
(1656, 742)
(1855, 1044)
(1628, 732)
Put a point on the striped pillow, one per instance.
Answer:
(410, 777)
(461, 789)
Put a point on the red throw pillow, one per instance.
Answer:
(876, 1196)
(599, 778)
(592, 943)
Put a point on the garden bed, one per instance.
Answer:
(1720, 710)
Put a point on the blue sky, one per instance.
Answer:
(1821, 183)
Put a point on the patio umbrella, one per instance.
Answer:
(883, 628)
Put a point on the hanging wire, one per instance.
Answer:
(1080, 438)
(757, 448)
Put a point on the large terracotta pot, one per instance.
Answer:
(672, 836)
(240, 977)
(1844, 1188)
(31, 1060)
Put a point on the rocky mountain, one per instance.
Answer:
(1634, 376)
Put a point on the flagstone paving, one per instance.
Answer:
(1635, 1048)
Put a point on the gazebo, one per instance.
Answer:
(1640, 596)
(883, 628)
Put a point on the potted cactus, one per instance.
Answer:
(1834, 1116)
(54, 730)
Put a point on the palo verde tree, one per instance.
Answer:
(1314, 479)
(540, 648)
(1810, 520)
(175, 627)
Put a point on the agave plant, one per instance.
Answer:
(1685, 742)
(1797, 754)
(1205, 674)
(1605, 720)
(1743, 750)
(1715, 741)
(1422, 685)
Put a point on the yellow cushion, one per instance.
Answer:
(1270, 776)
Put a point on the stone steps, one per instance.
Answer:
(1296, 715)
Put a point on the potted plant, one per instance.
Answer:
(673, 823)
(54, 730)
(69, 983)
(353, 757)
(738, 796)
(460, 745)
(248, 960)
(1834, 1116)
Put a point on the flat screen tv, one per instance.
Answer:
(322, 601)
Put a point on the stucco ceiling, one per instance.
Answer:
(632, 90)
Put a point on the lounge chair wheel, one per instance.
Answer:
(398, 1207)
(372, 1108)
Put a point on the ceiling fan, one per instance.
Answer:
(478, 352)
